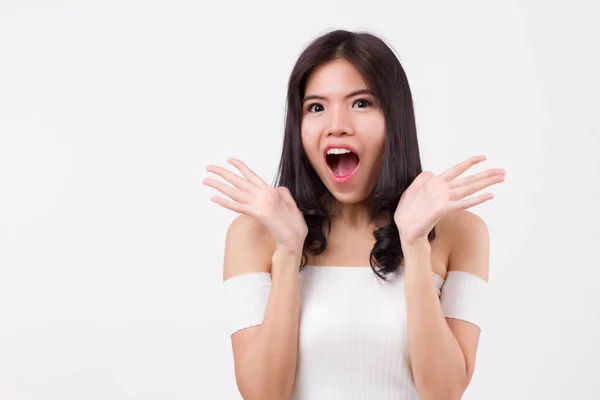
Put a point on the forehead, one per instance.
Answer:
(333, 78)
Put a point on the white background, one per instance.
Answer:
(111, 251)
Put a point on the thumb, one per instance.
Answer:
(287, 196)
(421, 179)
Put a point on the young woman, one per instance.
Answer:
(357, 275)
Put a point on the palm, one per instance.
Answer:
(250, 195)
(430, 196)
(421, 207)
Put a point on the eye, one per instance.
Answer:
(363, 101)
(310, 107)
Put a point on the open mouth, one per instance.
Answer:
(342, 162)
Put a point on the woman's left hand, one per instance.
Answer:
(430, 197)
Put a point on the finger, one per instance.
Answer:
(232, 178)
(467, 190)
(234, 193)
(232, 205)
(459, 168)
(247, 172)
(470, 202)
(473, 178)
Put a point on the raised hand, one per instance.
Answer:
(430, 197)
(274, 207)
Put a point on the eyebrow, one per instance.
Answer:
(356, 92)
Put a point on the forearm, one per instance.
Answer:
(269, 364)
(437, 361)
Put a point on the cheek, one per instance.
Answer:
(373, 130)
(310, 140)
(309, 129)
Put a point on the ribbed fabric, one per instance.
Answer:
(463, 297)
(245, 299)
(353, 340)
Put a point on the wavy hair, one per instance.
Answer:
(383, 74)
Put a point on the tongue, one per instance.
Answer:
(346, 164)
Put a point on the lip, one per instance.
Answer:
(345, 178)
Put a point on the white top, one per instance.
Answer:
(353, 341)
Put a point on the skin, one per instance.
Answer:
(443, 350)
(271, 231)
(332, 119)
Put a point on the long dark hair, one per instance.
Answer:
(384, 75)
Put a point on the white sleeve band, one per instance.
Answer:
(245, 298)
(463, 297)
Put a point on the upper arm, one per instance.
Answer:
(469, 252)
(248, 248)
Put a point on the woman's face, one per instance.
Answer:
(335, 115)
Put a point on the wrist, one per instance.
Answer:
(285, 255)
(419, 245)
(284, 251)
(417, 256)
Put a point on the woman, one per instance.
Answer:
(336, 282)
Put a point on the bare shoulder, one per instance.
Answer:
(467, 237)
(249, 247)
(463, 221)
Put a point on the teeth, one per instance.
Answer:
(338, 150)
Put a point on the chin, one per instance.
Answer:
(351, 197)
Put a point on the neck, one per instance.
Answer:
(350, 215)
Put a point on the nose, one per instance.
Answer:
(339, 122)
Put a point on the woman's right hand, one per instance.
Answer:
(274, 207)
